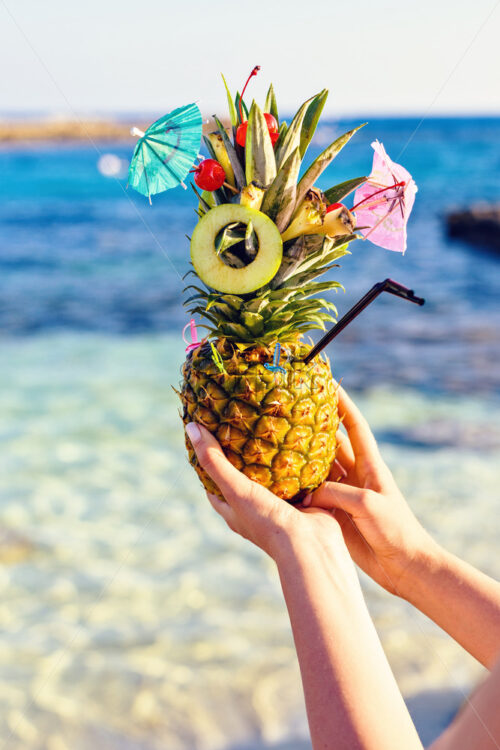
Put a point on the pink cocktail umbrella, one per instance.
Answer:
(383, 203)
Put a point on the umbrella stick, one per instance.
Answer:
(230, 187)
(390, 286)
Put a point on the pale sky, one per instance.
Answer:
(154, 55)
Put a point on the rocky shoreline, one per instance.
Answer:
(479, 225)
(26, 131)
(65, 130)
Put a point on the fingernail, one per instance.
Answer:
(307, 500)
(193, 432)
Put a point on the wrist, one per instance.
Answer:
(309, 554)
(419, 569)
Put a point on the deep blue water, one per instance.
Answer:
(79, 252)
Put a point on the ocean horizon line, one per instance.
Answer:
(118, 115)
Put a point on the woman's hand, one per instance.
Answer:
(382, 534)
(252, 511)
(386, 540)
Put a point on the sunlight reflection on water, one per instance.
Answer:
(133, 618)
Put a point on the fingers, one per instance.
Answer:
(353, 500)
(344, 453)
(223, 509)
(337, 472)
(230, 481)
(360, 435)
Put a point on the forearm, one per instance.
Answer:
(477, 724)
(352, 700)
(459, 598)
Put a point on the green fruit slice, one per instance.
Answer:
(211, 268)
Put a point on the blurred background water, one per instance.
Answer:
(131, 617)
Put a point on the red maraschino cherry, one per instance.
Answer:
(241, 134)
(209, 175)
(272, 125)
(334, 206)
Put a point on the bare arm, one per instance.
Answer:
(388, 543)
(352, 700)
(478, 723)
(460, 599)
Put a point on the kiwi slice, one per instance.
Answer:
(211, 268)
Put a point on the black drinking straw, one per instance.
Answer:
(393, 287)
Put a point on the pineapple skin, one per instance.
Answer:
(279, 430)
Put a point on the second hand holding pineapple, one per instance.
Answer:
(383, 536)
(387, 541)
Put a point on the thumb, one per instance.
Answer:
(334, 495)
(213, 460)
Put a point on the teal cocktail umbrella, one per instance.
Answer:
(166, 152)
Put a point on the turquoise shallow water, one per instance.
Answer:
(133, 618)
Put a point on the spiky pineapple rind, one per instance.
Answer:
(278, 429)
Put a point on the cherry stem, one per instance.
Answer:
(253, 73)
(382, 190)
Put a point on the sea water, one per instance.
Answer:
(131, 616)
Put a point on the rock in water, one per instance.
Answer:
(479, 225)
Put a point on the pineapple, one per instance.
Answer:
(276, 423)
(279, 429)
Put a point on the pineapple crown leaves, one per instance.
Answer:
(287, 305)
